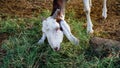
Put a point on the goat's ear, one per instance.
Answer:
(56, 13)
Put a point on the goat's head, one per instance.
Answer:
(53, 32)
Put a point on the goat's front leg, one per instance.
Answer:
(67, 32)
(87, 11)
(41, 41)
(104, 10)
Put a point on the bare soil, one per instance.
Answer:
(3, 36)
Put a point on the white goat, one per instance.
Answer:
(51, 30)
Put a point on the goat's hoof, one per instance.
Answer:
(90, 31)
(77, 42)
(104, 15)
(40, 42)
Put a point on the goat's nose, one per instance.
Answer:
(56, 48)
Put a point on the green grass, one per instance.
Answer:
(22, 50)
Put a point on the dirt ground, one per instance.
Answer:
(109, 28)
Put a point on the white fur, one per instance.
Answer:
(87, 9)
(90, 3)
(67, 32)
(56, 37)
(41, 41)
(104, 13)
(51, 30)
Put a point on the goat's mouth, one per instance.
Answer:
(56, 49)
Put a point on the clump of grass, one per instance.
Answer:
(22, 50)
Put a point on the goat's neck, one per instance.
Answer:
(59, 4)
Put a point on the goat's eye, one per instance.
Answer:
(57, 29)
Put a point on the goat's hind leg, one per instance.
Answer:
(90, 3)
(87, 11)
(104, 10)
